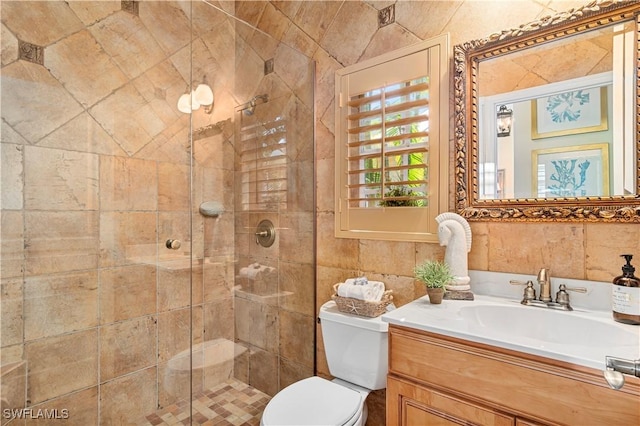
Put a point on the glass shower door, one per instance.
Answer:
(254, 162)
(96, 179)
(128, 236)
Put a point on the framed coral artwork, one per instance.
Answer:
(569, 113)
(571, 171)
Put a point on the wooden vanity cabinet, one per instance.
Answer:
(438, 380)
(420, 405)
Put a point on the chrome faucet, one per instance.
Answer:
(544, 281)
(544, 300)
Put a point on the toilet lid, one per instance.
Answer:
(312, 401)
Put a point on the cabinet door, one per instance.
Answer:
(409, 404)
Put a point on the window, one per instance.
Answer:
(263, 164)
(391, 144)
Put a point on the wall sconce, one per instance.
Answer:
(201, 96)
(504, 121)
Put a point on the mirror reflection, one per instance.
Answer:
(557, 120)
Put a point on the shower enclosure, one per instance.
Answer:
(134, 282)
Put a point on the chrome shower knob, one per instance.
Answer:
(173, 244)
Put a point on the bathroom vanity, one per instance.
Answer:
(435, 380)
(493, 361)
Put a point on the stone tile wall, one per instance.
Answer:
(341, 33)
(59, 115)
(95, 177)
(274, 301)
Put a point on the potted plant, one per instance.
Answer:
(435, 275)
(401, 191)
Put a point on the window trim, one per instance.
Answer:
(400, 223)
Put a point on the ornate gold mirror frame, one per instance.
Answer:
(468, 56)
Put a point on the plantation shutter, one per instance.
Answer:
(388, 155)
(263, 165)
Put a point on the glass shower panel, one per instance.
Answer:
(96, 177)
(253, 161)
(274, 180)
(130, 275)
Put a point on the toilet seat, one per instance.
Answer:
(314, 401)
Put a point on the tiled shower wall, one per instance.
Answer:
(274, 163)
(95, 178)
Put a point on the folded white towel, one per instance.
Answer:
(255, 271)
(358, 281)
(372, 291)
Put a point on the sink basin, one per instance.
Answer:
(581, 337)
(547, 326)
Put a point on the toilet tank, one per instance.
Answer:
(356, 347)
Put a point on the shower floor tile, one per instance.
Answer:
(230, 403)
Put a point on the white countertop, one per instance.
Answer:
(583, 336)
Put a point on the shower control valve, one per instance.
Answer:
(265, 233)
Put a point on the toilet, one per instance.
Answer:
(357, 354)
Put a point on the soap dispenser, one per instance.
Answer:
(626, 295)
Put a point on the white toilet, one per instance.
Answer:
(357, 354)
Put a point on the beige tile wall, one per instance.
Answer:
(275, 315)
(95, 177)
(570, 250)
(14, 385)
(274, 312)
(59, 115)
(337, 34)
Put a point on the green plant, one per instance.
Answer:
(401, 191)
(433, 273)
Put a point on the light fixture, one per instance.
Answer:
(201, 96)
(187, 102)
(204, 95)
(504, 121)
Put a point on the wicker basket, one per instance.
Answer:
(363, 308)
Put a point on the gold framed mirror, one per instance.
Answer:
(547, 118)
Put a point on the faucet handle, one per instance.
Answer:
(576, 289)
(529, 292)
(562, 297)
